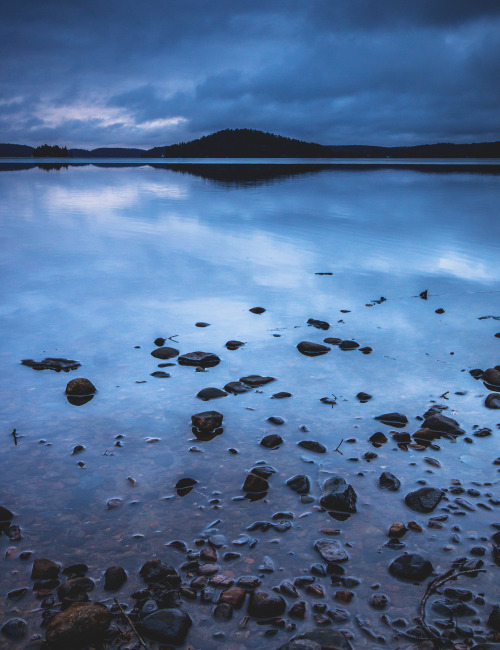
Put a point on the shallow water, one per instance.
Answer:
(98, 261)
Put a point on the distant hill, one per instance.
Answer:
(108, 152)
(241, 143)
(440, 150)
(15, 151)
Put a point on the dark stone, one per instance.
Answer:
(492, 401)
(255, 484)
(257, 310)
(184, 486)
(80, 387)
(200, 359)
(401, 437)
(364, 397)
(201, 324)
(5, 517)
(207, 421)
(311, 445)
(234, 597)
(442, 424)
(114, 578)
(411, 566)
(332, 341)
(319, 324)
(477, 373)
(15, 629)
(439, 311)
(274, 419)
(166, 625)
(378, 438)
(160, 374)
(272, 441)
(310, 349)
(330, 550)
(298, 610)
(424, 500)
(156, 572)
(52, 364)
(223, 612)
(80, 625)
(75, 589)
(44, 569)
(265, 605)
(366, 350)
(249, 582)
(263, 470)
(324, 638)
(288, 589)
(164, 353)
(494, 618)
(393, 419)
(159, 341)
(348, 345)
(338, 495)
(234, 345)
(75, 570)
(211, 393)
(388, 481)
(254, 381)
(491, 376)
(281, 395)
(299, 484)
(237, 387)
(379, 601)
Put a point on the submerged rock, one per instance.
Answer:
(79, 625)
(5, 517)
(199, 359)
(211, 393)
(411, 566)
(299, 483)
(330, 550)
(44, 569)
(164, 353)
(364, 397)
(310, 349)
(442, 424)
(234, 345)
(237, 387)
(255, 484)
(114, 578)
(254, 381)
(50, 363)
(80, 387)
(312, 445)
(319, 324)
(166, 625)
(324, 638)
(15, 629)
(393, 419)
(338, 495)
(265, 605)
(388, 481)
(424, 500)
(492, 401)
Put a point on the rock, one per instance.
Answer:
(234, 597)
(424, 500)
(254, 381)
(237, 387)
(274, 419)
(160, 374)
(15, 629)
(318, 324)
(379, 601)
(330, 550)
(45, 569)
(156, 572)
(492, 401)
(267, 565)
(332, 341)
(166, 625)
(393, 419)
(442, 424)
(79, 625)
(211, 393)
(5, 517)
(249, 582)
(223, 612)
(324, 638)
(255, 484)
(378, 438)
(199, 359)
(272, 441)
(310, 349)
(282, 395)
(288, 589)
(207, 421)
(299, 483)
(411, 566)
(50, 363)
(265, 605)
(298, 610)
(494, 618)
(364, 397)
(439, 311)
(397, 530)
(338, 495)
(114, 578)
(257, 310)
(348, 345)
(491, 376)
(80, 387)
(311, 445)
(202, 324)
(366, 350)
(425, 436)
(234, 345)
(164, 353)
(159, 341)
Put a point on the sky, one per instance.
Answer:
(155, 72)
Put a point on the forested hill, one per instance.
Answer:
(241, 143)
(439, 150)
(15, 150)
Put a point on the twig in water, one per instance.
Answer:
(337, 448)
(141, 640)
(444, 395)
(171, 338)
(14, 435)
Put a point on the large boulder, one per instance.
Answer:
(424, 500)
(338, 495)
(80, 625)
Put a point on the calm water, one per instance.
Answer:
(98, 261)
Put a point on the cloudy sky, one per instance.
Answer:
(155, 72)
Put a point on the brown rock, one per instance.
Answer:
(45, 569)
(207, 421)
(344, 596)
(79, 625)
(80, 387)
(234, 597)
(254, 483)
(397, 530)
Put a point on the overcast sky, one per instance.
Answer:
(155, 72)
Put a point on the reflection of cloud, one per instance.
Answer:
(466, 268)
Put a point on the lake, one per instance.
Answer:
(100, 260)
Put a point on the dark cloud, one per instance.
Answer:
(346, 71)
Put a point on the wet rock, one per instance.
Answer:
(202, 324)
(160, 374)
(166, 625)
(164, 353)
(80, 387)
(156, 572)
(348, 345)
(401, 437)
(491, 376)
(249, 582)
(237, 387)
(287, 588)
(299, 483)
(310, 349)
(255, 484)
(79, 625)
(199, 359)
(442, 424)
(254, 381)
(223, 612)
(282, 395)
(211, 393)
(15, 629)
(265, 605)
(439, 311)
(5, 517)
(397, 530)
(494, 618)
(379, 601)
(272, 441)
(159, 341)
(114, 578)
(58, 365)
(332, 341)
(75, 570)
(298, 610)
(267, 565)
(257, 310)
(424, 500)
(274, 419)
(411, 566)
(330, 550)
(311, 445)
(318, 324)
(234, 345)
(44, 569)
(207, 421)
(338, 495)
(324, 638)
(364, 397)
(234, 597)
(425, 436)
(366, 350)
(378, 438)
(393, 419)
(492, 401)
